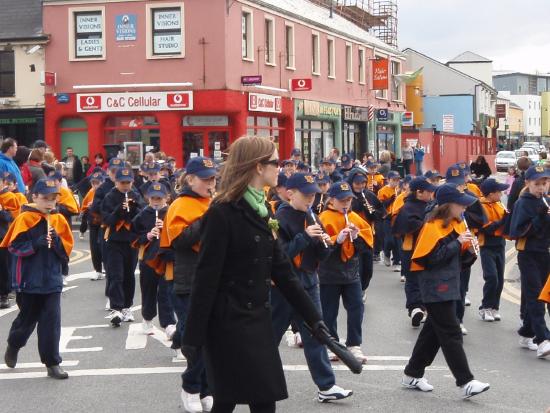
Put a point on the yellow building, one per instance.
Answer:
(415, 91)
(545, 114)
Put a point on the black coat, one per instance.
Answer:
(229, 313)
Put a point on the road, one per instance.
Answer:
(121, 370)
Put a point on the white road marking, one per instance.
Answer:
(68, 363)
(137, 339)
(67, 336)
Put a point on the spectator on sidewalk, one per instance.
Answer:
(418, 158)
(407, 156)
(8, 150)
(480, 168)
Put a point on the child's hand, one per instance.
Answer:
(314, 231)
(354, 231)
(159, 224)
(343, 235)
(154, 233)
(465, 237)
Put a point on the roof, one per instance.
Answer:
(469, 57)
(452, 69)
(319, 16)
(515, 105)
(21, 19)
(508, 73)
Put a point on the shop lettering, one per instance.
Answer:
(127, 102)
(88, 24)
(167, 20)
(312, 108)
(355, 114)
(132, 102)
(264, 103)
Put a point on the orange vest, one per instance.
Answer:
(494, 211)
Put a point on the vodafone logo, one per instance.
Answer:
(177, 100)
(90, 102)
(298, 85)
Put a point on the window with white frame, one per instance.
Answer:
(361, 68)
(349, 62)
(315, 54)
(269, 41)
(331, 54)
(289, 46)
(167, 31)
(247, 36)
(88, 34)
(395, 84)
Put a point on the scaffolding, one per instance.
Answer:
(378, 17)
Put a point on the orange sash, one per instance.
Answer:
(66, 198)
(545, 293)
(386, 193)
(334, 222)
(430, 234)
(29, 219)
(378, 178)
(474, 189)
(398, 203)
(10, 203)
(494, 211)
(88, 200)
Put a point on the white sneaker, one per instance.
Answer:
(170, 330)
(298, 340)
(463, 329)
(496, 314)
(396, 268)
(544, 349)
(402, 279)
(191, 402)
(127, 315)
(414, 383)
(179, 355)
(387, 261)
(147, 327)
(334, 393)
(108, 305)
(65, 282)
(289, 337)
(116, 318)
(486, 314)
(527, 342)
(358, 354)
(332, 356)
(98, 276)
(365, 297)
(467, 301)
(207, 403)
(81, 236)
(474, 387)
(416, 317)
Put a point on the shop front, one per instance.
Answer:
(318, 129)
(25, 125)
(354, 130)
(387, 129)
(183, 124)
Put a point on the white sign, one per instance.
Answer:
(89, 47)
(167, 19)
(258, 102)
(134, 102)
(89, 23)
(167, 43)
(448, 123)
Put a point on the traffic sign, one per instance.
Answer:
(300, 85)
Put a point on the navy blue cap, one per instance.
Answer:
(449, 193)
(296, 152)
(156, 189)
(302, 165)
(340, 190)
(455, 175)
(8, 176)
(322, 178)
(45, 186)
(408, 178)
(393, 174)
(346, 158)
(359, 177)
(150, 167)
(371, 164)
(282, 179)
(537, 172)
(97, 176)
(433, 174)
(491, 185)
(421, 183)
(288, 162)
(55, 175)
(303, 182)
(202, 167)
(329, 161)
(124, 175)
(464, 166)
(116, 163)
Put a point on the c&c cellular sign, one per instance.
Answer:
(130, 102)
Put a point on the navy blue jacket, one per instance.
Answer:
(530, 224)
(100, 193)
(410, 218)
(112, 213)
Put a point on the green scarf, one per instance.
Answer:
(256, 199)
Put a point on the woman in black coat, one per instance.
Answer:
(480, 168)
(239, 260)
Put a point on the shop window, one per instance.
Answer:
(7, 74)
(396, 86)
(316, 139)
(87, 33)
(265, 127)
(247, 43)
(315, 54)
(166, 35)
(74, 134)
(349, 63)
(331, 55)
(144, 129)
(269, 30)
(289, 46)
(361, 69)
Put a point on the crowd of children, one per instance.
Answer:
(333, 226)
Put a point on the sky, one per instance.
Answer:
(514, 34)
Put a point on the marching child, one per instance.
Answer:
(118, 209)
(339, 274)
(492, 249)
(181, 232)
(321, 198)
(395, 208)
(442, 248)
(280, 196)
(387, 195)
(530, 226)
(375, 180)
(10, 184)
(39, 239)
(306, 244)
(93, 220)
(155, 289)
(8, 205)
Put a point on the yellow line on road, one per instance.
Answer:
(79, 257)
(510, 293)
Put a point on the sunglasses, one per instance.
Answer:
(274, 162)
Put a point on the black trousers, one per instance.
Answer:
(464, 284)
(254, 408)
(44, 310)
(120, 265)
(95, 247)
(365, 268)
(5, 273)
(441, 330)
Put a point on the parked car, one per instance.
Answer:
(529, 152)
(535, 145)
(504, 160)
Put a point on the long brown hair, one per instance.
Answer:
(442, 212)
(238, 170)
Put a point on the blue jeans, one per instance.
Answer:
(155, 291)
(492, 263)
(418, 167)
(316, 355)
(193, 379)
(391, 243)
(353, 303)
